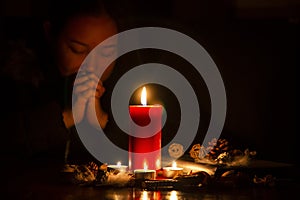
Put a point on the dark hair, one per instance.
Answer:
(60, 11)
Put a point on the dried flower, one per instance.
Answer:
(175, 150)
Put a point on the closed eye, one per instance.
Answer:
(78, 47)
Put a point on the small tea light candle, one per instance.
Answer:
(119, 167)
(144, 173)
(170, 172)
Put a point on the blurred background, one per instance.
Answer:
(254, 43)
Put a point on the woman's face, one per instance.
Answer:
(80, 35)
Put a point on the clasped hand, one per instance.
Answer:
(87, 91)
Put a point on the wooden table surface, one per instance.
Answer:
(43, 182)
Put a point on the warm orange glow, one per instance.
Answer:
(144, 96)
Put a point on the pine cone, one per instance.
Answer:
(221, 146)
(93, 167)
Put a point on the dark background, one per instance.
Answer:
(254, 43)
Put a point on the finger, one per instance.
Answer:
(81, 73)
(85, 86)
(87, 78)
(87, 94)
(93, 76)
(80, 88)
(89, 75)
(99, 85)
(81, 79)
(99, 92)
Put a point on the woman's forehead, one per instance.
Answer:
(90, 30)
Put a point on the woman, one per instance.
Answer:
(72, 42)
(41, 80)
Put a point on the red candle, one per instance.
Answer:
(145, 150)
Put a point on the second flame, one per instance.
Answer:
(145, 166)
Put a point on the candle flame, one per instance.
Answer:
(144, 195)
(157, 164)
(144, 96)
(174, 165)
(145, 166)
(119, 164)
(174, 195)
